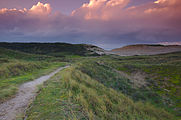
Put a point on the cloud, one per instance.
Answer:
(40, 9)
(168, 2)
(100, 9)
(107, 23)
(27, 21)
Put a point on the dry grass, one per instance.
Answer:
(101, 102)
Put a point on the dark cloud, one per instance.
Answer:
(106, 23)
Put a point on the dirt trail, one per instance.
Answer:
(27, 91)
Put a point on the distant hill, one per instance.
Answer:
(53, 49)
(144, 49)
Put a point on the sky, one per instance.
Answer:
(106, 23)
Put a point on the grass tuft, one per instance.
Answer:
(95, 100)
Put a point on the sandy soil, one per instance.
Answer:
(145, 50)
(27, 91)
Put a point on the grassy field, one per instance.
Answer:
(88, 89)
(18, 67)
(72, 94)
(94, 87)
(22, 62)
(155, 79)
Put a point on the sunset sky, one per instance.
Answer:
(105, 23)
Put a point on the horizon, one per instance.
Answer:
(107, 24)
(89, 44)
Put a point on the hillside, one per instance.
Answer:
(74, 95)
(113, 87)
(145, 49)
(155, 79)
(53, 49)
(94, 87)
(18, 67)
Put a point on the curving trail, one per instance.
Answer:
(27, 91)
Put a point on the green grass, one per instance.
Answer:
(162, 77)
(72, 94)
(94, 87)
(7, 55)
(9, 85)
(18, 67)
(53, 103)
(161, 74)
(113, 79)
(51, 49)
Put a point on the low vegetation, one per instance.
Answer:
(18, 67)
(72, 94)
(155, 79)
(94, 87)
(51, 49)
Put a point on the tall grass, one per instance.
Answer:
(97, 101)
(161, 74)
(14, 74)
(105, 103)
(18, 68)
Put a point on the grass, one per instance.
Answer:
(163, 76)
(51, 49)
(8, 55)
(53, 103)
(18, 67)
(161, 72)
(77, 96)
(113, 79)
(95, 87)
(9, 85)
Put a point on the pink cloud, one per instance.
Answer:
(157, 16)
(40, 9)
(100, 9)
(25, 20)
(168, 2)
(112, 21)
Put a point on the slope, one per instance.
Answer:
(18, 67)
(144, 49)
(52, 49)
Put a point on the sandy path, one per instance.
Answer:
(27, 91)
